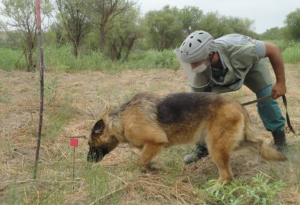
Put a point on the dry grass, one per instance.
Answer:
(73, 103)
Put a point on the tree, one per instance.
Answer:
(211, 23)
(239, 25)
(190, 17)
(58, 33)
(218, 25)
(74, 16)
(164, 29)
(274, 33)
(292, 22)
(105, 15)
(124, 34)
(21, 24)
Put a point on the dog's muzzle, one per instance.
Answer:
(96, 154)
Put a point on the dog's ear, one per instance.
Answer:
(98, 127)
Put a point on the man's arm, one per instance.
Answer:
(274, 55)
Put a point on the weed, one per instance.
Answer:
(11, 59)
(50, 90)
(5, 97)
(58, 116)
(259, 191)
(61, 59)
(100, 186)
(292, 53)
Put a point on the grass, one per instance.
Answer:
(57, 108)
(260, 190)
(11, 59)
(62, 59)
(292, 53)
(57, 119)
(282, 44)
(290, 50)
(55, 184)
(99, 185)
(4, 95)
(112, 184)
(118, 179)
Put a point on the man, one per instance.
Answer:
(224, 65)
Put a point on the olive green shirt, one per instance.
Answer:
(244, 64)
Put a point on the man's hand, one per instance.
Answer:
(279, 89)
(273, 52)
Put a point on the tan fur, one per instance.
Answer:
(225, 126)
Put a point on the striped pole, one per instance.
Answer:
(41, 54)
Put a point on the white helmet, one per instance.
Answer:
(196, 47)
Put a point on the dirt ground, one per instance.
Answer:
(77, 100)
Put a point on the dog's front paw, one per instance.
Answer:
(152, 166)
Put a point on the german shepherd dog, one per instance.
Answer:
(152, 123)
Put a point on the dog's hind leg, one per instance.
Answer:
(148, 152)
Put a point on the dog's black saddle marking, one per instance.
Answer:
(179, 107)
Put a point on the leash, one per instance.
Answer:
(258, 100)
(291, 129)
(287, 115)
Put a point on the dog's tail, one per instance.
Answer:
(258, 144)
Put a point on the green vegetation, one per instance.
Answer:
(58, 111)
(4, 94)
(100, 184)
(20, 26)
(11, 59)
(292, 54)
(109, 185)
(290, 49)
(259, 191)
(57, 119)
(61, 59)
(114, 35)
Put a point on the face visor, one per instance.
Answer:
(198, 77)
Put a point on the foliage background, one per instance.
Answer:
(109, 35)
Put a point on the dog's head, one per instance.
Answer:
(101, 141)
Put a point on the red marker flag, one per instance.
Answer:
(74, 142)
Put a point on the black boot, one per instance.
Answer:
(197, 153)
(279, 140)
